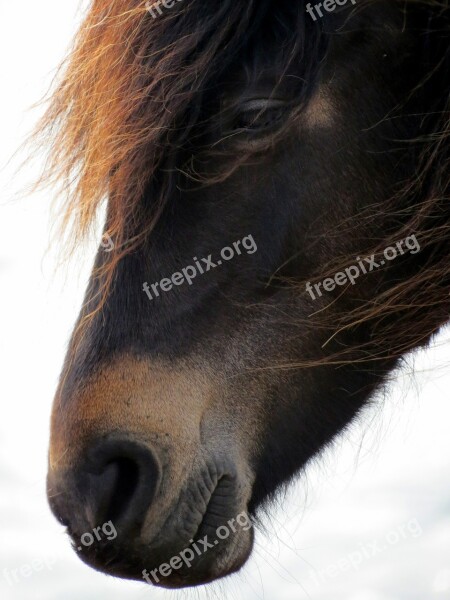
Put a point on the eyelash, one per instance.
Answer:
(259, 119)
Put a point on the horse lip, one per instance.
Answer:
(210, 569)
(223, 507)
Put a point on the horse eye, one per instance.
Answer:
(260, 115)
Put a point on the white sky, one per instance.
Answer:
(390, 471)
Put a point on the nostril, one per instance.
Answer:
(110, 493)
(119, 483)
(125, 474)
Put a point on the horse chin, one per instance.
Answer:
(215, 565)
(166, 564)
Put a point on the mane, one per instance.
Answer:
(406, 314)
(129, 97)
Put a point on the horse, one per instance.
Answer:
(275, 196)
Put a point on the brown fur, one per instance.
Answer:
(111, 114)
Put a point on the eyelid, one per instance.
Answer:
(257, 105)
(263, 104)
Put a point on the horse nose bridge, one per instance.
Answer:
(147, 400)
